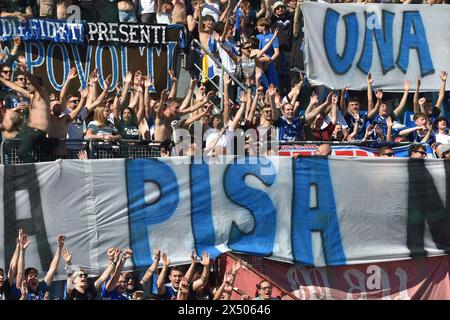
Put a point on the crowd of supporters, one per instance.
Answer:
(188, 282)
(260, 42)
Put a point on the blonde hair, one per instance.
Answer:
(98, 115)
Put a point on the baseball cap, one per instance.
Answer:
(278, 4)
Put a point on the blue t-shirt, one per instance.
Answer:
(39, 294)
(113, 295)
(290, 132)
(361, 125)
(264, 38)
(170, 292)
(416, 137)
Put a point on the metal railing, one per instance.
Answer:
(95, 150)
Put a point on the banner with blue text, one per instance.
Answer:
(344, 42)
(310, 211)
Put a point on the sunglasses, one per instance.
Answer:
(74, 101)
(423, 153)
(21, 79)
(390, 154)
(6, 71)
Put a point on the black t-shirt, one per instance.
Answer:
(90, 294)
(5, 290)
(285, 27)
(128, 130)
(13, 6)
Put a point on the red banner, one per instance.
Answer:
(416, 279)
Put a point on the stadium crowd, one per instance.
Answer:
(261, 43)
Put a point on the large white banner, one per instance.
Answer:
(312, 211)
(344, 42)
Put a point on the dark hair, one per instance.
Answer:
(209, 18)
(436, 122)
(218, 27)
(420, 115)
(263, 22)
(254, 41)
(414, 148)
(176, 268)
(383, 149)
(29, 270)
(353, 99)
(133, 114)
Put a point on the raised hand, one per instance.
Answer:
(24, 288)
(17, 41)
(236, 266)
(272, 91)
(127, 254)
(443, 75)
(60, 240)
(205, 259)
(210, 95)
(369, 79)
(128, 77)
(23, 241)
(157, 253)
(379, 94)
(165, 260)
(110, 253)
(329, 97)
(193, 257)
(93, 77)
(344, 90)
(422, 100)
(184, 285)
(389, 121)
(82, 155)
(173, 75)
(72, 73)
(314, 99)
(418, 81)
(406, 85)
(193, 84)
(147, 82)
(67, 256)
(334, 99)
(108, 81)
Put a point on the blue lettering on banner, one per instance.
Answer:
(260, 240)
(83, 73)
(66, 65)
(340, 63)
(143, 215)
(39, 57)
(114, 66)
(385, 45)
(150, 69)
(170, 52)
(416, 40)
(202, 222)
(321, 218)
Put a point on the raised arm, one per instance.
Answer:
(205, 273)
(141, 108)
(12, 271)
(152, 269)
(24, 243)
(63, 95)
(190, 272)
(14, 86)
(102, 96)
(163, 274)
(67, 257)
(312, 114)
(126, 87)
(352, 135)
(187, 100)
(416, 97)
(74, 114)
(369, 93)
(112, 283)
(235, 123)
(297, 16)
(199, 104)
(271, 91)
(379, 96)
(55, 261)
(342, 101)
(113, 258)
(268, 44)
(334, 108)
(173, 90)
(390, 124)
(234, 57)
(443, 76)
(402, 104)
(196, 117)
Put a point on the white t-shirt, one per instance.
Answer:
(212, 9)
(164, 18)
(340, 120)
(146, 6)
(225, 57)
(442, 138)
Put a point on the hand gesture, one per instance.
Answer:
(205, 259)
(329, 97)
(164, 95)
(193, 257)
(110, 253)
(334, 99)
(72, 73)
(165, 260)
(236, 266)
(128, 77)
(243, 96)
(369, 79)
(17, 41)
(22, 59)
(184, 285)
(137, 78)
(127, 254)
(210, 95)
(147, 82)
(379, 94)
(108, 81)
(193, 84)
(314, 99)
(157, 253)
(422, 100)
(443, 75)
(67, 256)
(173, 75)
(93, 77)
(228, 277)
(117, 253)
(406, 85)
(389, 121)
(60, 240)
(84, 93)
(23, 240)
(272, 91)
(356, 116)
(369, 129)
(275, 33)
(24, 288)
(22, 67)
(47, 295)
(227, 80)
